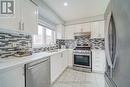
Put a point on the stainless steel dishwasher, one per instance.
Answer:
(37, 73)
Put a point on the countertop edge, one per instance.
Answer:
(12, 63)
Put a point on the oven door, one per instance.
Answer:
(83, 61)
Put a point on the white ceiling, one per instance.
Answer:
(77, 9)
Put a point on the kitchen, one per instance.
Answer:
(62, 43)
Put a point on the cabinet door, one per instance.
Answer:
(65, 60)
(55, 67)
(60, 31)
(97, 29)
(98, 61)
(70, 58)
(69, 32)
(29, 17)
(62, 62)
(78, 28)
(12, 21)
(101, 29)
(94, 29)
(59, 63)
(13, 78)
(87, 27)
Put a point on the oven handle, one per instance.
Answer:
(82, 54)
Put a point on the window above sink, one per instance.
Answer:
(45, 37)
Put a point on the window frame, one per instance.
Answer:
(44, 43)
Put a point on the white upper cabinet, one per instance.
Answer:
(101, 29)
(11, 21)
(78, 28)
(86, 27)
(69, 32)
(97, 29)
(24, 18)
(60, 31)
(94, 29)
(29, 17)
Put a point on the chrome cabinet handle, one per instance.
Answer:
(19, 25)
(22, 26)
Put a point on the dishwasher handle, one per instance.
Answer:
(33, 66)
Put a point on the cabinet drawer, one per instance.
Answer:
(98, 68)
(97, 62)
(98, 65)
(99, 59)
(99, 55)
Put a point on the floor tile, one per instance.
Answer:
(73, 78)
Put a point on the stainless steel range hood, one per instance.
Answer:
(87, 34)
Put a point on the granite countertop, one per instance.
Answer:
(13, 62)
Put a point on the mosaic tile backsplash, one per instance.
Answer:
(10, 43)
(43, 49)
(82, 40)
(69, 44)
(96, 43)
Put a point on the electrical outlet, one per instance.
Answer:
(14, 44)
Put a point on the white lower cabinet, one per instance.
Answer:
(98, 61)
(16, 78)
(59, 63)
(70, 58)
(13, 78)
(54, 61)
(65, 60)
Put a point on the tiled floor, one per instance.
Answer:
(72, 78)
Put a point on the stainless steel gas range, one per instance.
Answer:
(82, 59)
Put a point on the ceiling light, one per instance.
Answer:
(65, 4)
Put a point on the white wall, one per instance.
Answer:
(85, 20)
